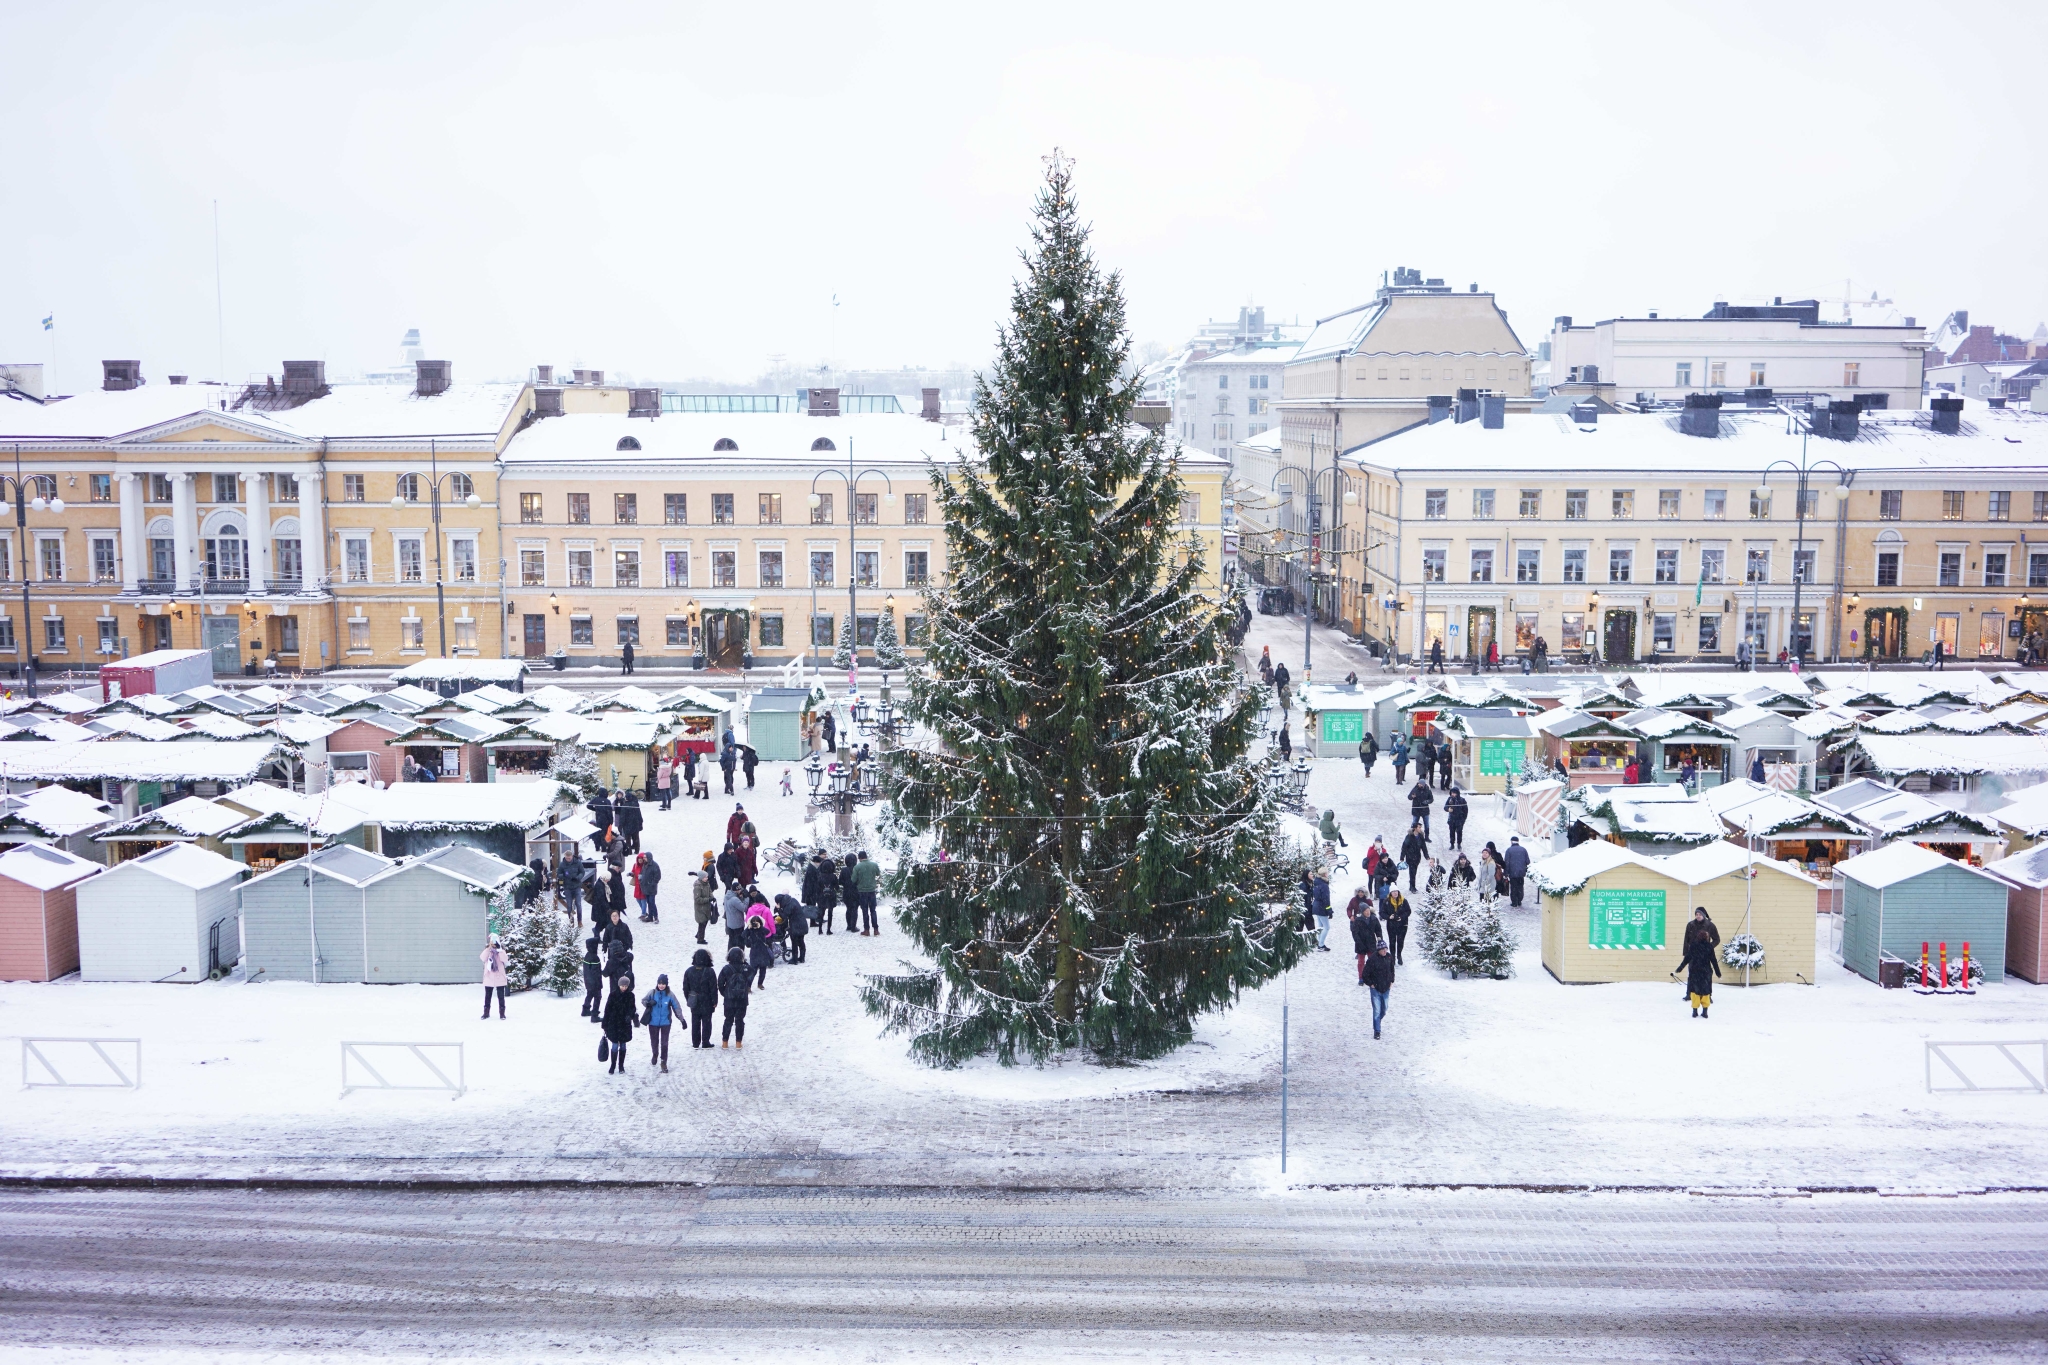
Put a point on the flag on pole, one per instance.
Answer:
(49, 322)
(1699, 589)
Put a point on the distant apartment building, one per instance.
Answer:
(1222, 387)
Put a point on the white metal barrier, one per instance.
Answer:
(90, 1053)
(413, 1058)
(2010, 1065)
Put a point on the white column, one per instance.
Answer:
(134, 547)
(256, 501)
(185, 530)
(312, 531)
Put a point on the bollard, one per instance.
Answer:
(1925, 985)
(1944, 966)
(1963, 972)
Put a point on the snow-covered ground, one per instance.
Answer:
(1519, 1081)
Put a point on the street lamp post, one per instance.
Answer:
(1803, 473)
(852, 482)
(1312, 538)
(22, 502)
(434, 478)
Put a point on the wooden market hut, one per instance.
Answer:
(2025, 875)
(1651, 818)
(1773, 902)
(452, 747)
(451, 677)
(360, 751)
(1672, 738)
(57, 816)
(1593, 749)
(192, 820)
(1609, 914)
(506, 820)
(1487, 750)
(1787, 828)
(1890, 816)
(1902, 895)
(774, 725)
(697, 715)
(39, 911)
(166, 916)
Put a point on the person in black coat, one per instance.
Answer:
(1456, 809)
(1414, 849)
(759, 955)
(630, 819)
(1379, 979)
(728, 759)
(735, 982)
(749, 760)
(815, 892)
(1515, 862)
(1701, 967)
(700, 993)
(1425, 763)
(1366, 931)
(620, 1012)
(601, 814)
(1395, 912)
(572, 874)
(729, 865)
(849, 894)
(1462, 871)
(593, 980)
(791, 916)
(1420, 798)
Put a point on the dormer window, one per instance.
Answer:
(628, 443)
(724, 443)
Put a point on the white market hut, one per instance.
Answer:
(450, 677)
(166, 916)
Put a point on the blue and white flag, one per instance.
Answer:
(49, 322)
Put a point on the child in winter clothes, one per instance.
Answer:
(700, 991)
(660, 1009)
(619, 1014)
(734, 984)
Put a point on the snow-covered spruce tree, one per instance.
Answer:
(575, 767)
(564, 970)
(888, 652)
(1106, 837)
(1463, 934)
(842, 657)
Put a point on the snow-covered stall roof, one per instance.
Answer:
(266, 798)
(1651, 812)
(487, 700)
(457, 730)
(301, 730)
(207, 697)
(621, 732)
(553, 698)
(407, 698)
(462, 670)
(62, 732)
(693, 698)
(210, 725)
(1893, 814)
(2025, 811)
(195, 817)
(1895, 863)
(1675, 687)
(1763, 811)
(55, 812)
(189, 865)
(343, 863)
(1829, 720)
(1698, 866)
(136, 726)
(1657, 723)
(132, 760)
(631, 697)
(45, 868)
(445, 805)
(548, 728)
(68, 703)
(141, 704)
(464, 864)
(1954, 755)
(1563, 873)
(2028, 867)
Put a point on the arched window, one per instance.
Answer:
(409, 487)
(725, 443)
(459, 486)
(823, 443)
(46, 487)
(628, 443)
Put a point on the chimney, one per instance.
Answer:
(580, 376)
(1468, 405)
(643, 402)
(1947, 415)
(121, 375)
(1564, 322)
(823, 403)
(543, 374)
(177, 379)
(1493, 411)
(1841, 419)
(1439, 407)
(434, 377)
(1589, 373)
(1702, 415)
(305, 378)
(596, 377)
(1756, 398)
(1997, 402)
(547, 403)
(931, 405)
(1586, 414)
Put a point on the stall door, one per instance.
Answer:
(224, 642)
(536, 635)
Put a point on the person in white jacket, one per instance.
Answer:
(495, 979)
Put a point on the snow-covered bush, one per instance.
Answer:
(576, 768)
(842, 657)
(1463, 934)
(888, 653)
(540, 947)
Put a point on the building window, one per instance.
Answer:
(1713, 565)
(1571, 631)
(1621, 565)
(2001, 507)
(867, 569)
(866, 508)
(1624, 504)
(629, 630)
(1531, 503)
(465, 634)
(529, 508)
(864, 630)
(2037, 570)
(1482, 566)
(625, 568)
(103, 568)
(917, 570)
(162, 554)
(1759, 506)
(1191, 509)
(102, 486)
(1891, 504)
(2041, 507)
(284, 555)
(771, 630)
(770, 509)
(1482, 504)
(412, 634)
(1756, 625)
(1528, 566)
(227, 559)
(353, 488)
(1436, 503)
(1433, 565)
(1952, 506)
(821, 568)
(1802, 565)
(355, 559)
(675, 568)
(579, 509)
(409, 487)
(771, 568)
(1667, 566)
(1808, 502)
(160, 488)
(533, 568)
(1888, 569)
(460, 487)
(679, 631)
(1717, 374)
(721, 509)
(725, 568)
(1951, 569)
(916, 631)
(821, 630)
(582, 568)
(358, 633)
(625, 509)
(1710, 634)
(1756, 376)
(462, 557)
(285, 488)
(1994, 568)
(227, 488)
(1682, 376)
(53, 635)
(1574, 566)
(1223, 381)
(1574, 504)
(1716, 505)
(1852, 374)
(409, 560)
(50, 559)
(916, 508)
(1667, 504)
(821, 511)
(1758, 568)
(1664, 633)
(675, 508)
(582, 631)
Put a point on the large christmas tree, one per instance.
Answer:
(1087, 841)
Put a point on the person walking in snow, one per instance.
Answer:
(750, 759)
(1395, 913)
(700, 993)
(1436, 656)
(1701, 966)
(1319, 908)
(1366, 930)
(1515, 862)
(791, 918)
(1425, 762)
(593, 981)
(1420, 798)
(1443, 764)
(735, 983)
(619, 1014)
(1379, 981)
(867, 881)
(571, 876)
(665, 781)
(1414, 849)
(759, 955)
(495, 962)
(704, 895)
(659, 1011)
(1368, 752)
(630, 820)
(1400, 758)
(728, 760)
(1456, 808)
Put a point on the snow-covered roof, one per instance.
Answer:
(301, 729)
(1895, 863)
(195, 817)
(2025, 810)
(553, 698)
(1829, 720)
(1746, 715)
(694, 698)
(389, 721)
(1563, 873)
(134, 760)
(68, 703)
(408, 698)
(458, 730)
(188, 865)
(58, 812)
(2028, 867)
(465, 864)
(141, 703)
(346, 412)
(62, 732)
(1655, 723)
(451, 805)
(266, 798)
(136, 727)
(631, 698)
(1898, 723)
(215, 726)
(462, 670)
(554, 727)
(763, 438)
(45, 868)
(1965, 755)
(620, 732)
(1763, 810)
(340, 862)
(1677, 687)
(1660, 812)
(207, 697)
(1708, 862)
(486, 699)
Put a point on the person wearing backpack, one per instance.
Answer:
(658, 1012)
(735, 983)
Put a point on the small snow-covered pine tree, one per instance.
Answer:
(842, 657)
(575, 767)
(528, 936)
(888, 653)
(564, 970)
(1463, 934)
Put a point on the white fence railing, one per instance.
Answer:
(2005, 1067)
(87, 1063)
(404, 1066)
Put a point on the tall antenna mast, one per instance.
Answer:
(219, 312)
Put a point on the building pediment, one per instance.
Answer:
(210, 427)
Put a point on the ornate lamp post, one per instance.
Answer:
(1802, 473)
(1311, 537)
(23, 501)
(852, 482)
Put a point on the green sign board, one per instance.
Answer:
(1343, 727)
(1626, 919)
(1501, 755)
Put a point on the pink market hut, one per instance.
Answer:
(2025, 875)
(452, 748)
(39, 911)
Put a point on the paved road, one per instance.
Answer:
(763, 1272)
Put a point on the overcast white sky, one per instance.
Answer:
(682, 190)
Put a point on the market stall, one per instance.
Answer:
(2026, 912)
(166, 916)
(1487, 751)
(1591, 749)
(1902, 896)
(39, 911)
(1669, 740)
